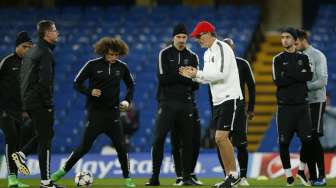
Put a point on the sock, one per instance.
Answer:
(288, 173)
(302, 165)
(234, 174)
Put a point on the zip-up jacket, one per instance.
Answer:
(317, 86)
(173, 86)
(246, 77)
(10, 100)
(106, 77)
(37, 77)
(291, 71)
(221, 73)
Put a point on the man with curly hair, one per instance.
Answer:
(103, 106)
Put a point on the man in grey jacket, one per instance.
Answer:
(317, 102)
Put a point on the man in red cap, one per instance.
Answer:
(221, 73)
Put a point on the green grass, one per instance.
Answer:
(167, 183)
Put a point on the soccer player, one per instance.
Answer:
(176, 104)
(291, 71)
(103, 106)
(221, 72)
(317, 102)
(37, 86)
(176, 148)
(239, 136)
(11, 115)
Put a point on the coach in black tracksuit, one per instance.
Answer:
(175, 97)
(11, 115)
(104, 75)
(291, 71)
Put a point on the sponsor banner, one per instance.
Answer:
(269, 164)
(108, 166)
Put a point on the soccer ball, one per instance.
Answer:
(83, 179)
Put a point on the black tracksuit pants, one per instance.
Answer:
(42, 121)
(99, 122)
(196, 142)
(173, 114)
(16, 133)
(11, 130)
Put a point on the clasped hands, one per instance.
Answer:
(188, 71)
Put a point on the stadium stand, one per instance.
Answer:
(146, 30)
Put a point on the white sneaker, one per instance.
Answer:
(179, 181)
(196, 180)
(217, 184)
(244, 182)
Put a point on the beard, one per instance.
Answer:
(181, 44)
(288, 46)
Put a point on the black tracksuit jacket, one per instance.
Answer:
(10, 100)
(246, 77)
(37, 77)
(173, 86)
(106, 77)
(291, 71)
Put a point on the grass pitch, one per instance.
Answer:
(166, 182)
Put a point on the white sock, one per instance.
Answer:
(288, 172)
(45, 182)
(22, 154)
(234, 174)
(302, 165)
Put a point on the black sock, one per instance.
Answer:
(243, 160)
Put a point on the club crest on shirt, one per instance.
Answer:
(213, 59)
(117, 73)
(186, 61)
(300, 62)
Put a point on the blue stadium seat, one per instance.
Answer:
(147, 31)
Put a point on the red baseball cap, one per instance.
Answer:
(202, 27)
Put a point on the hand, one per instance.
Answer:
(189, 72)
(96, 92)
(124, 105)
(183, 71)
(250, 115)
